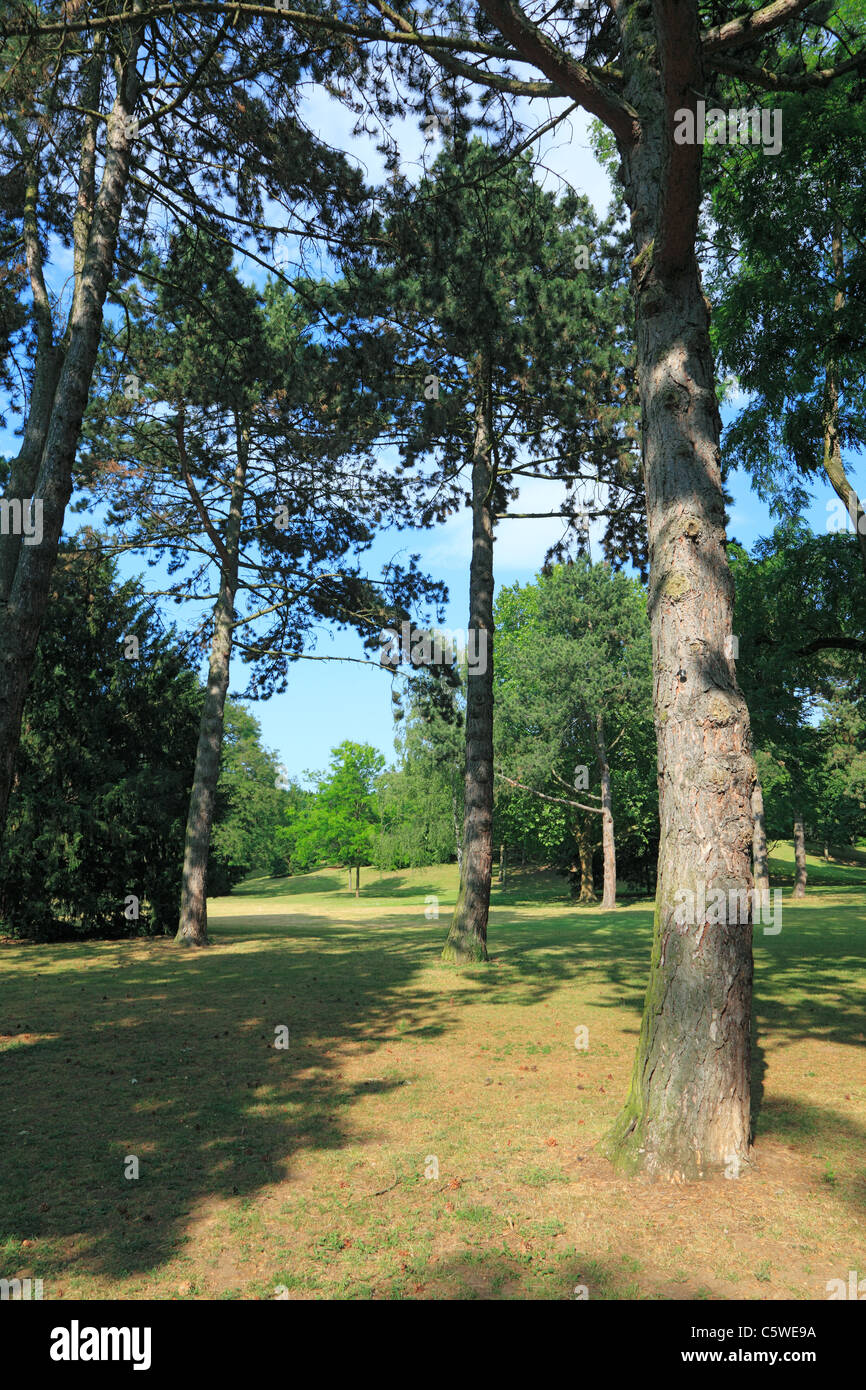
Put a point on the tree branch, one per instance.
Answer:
(749, 27)
(772, 82)
(819, 644)
(572, 78)
(563, 801)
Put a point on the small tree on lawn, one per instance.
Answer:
(573, 696)
(340, 825)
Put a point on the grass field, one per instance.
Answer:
(300, 1171)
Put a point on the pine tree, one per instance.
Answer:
(109, 122)
(231, 459)
(488, 329)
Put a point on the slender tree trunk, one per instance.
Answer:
(24, 470)
(52, 434)
(458, 839)
(826, 852)
(833, 466)
(357, 880)
(760, 859)
(467, 938)
(583, 840)
(799, 857)
(502, 864)
(608, 898)
(688, 1110)
(192, 928)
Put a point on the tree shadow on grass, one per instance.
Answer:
(141, 1050)
(298, 885)
(398, 887)
(612, 948)
(814, 1128)
(819, 876)
(809, 981)
(498, 1275)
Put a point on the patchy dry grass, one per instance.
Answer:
(305, 1168)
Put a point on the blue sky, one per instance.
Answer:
(329, 701)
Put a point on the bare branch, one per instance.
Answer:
(563, 801)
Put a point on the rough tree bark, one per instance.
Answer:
(467, 937)
(192, 927)
(760, 859)
(608, 844)
(799, 857)
(688, 1110)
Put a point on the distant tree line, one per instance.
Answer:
(575, 758)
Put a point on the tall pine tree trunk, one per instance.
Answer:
(760, 858)
(688, 1110)
(61, 388)
(799, 857)
(192, 927)
(467, 937)
(608, 844)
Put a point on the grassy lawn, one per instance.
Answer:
(302, 1169)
